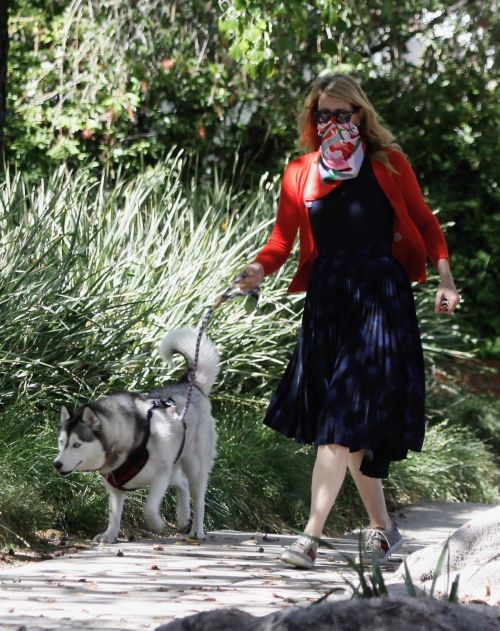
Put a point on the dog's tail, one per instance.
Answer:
(183, 341)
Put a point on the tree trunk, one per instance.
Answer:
(4, 50)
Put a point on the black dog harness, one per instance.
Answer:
(138, 458)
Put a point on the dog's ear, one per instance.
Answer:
(65, 415)
(91, 419)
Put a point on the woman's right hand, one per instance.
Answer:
(254, 273)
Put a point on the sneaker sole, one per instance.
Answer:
(294, 559)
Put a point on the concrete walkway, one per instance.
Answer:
(143, 584)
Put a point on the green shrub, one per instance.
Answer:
(477, 414)
(453, 466)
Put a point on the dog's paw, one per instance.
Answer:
(154, 522)
(196, 534)
(109, 536)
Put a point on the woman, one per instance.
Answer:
(354, 386)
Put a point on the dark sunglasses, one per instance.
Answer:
(338, 116)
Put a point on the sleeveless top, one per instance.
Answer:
(355, 216)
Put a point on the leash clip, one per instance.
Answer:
(162, 403)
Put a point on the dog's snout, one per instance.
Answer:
(57, 465)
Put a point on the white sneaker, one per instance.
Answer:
(302, 553)
(381, 543)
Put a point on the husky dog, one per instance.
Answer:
(137, 441)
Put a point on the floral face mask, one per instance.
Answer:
(341, 151)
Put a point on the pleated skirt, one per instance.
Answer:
(356, 376)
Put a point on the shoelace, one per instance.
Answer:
(302, 543)
(375, 539)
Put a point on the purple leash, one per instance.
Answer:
(227, 295)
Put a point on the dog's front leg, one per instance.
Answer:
(116, 499)
(152, 507)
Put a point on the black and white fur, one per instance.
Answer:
(99, 436)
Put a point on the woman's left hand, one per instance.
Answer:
(447, 299)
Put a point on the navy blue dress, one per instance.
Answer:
(356, 376)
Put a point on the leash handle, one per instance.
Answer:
(229, 293)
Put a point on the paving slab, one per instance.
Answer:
(143, 584)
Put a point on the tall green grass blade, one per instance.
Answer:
(379, 585)
(453, 593)
(410, 587)
(439, 566)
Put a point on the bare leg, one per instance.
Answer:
(371, 493)
(328, 475)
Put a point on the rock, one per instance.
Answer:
(474, 554)
(372, 614)
(214, 620)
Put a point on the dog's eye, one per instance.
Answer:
(76, 445)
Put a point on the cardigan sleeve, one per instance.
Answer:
(419, 211)
(279, 245)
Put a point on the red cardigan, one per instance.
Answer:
(417, 234)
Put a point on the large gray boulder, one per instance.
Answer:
(473, 553)
(373, 614)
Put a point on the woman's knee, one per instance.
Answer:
(338, 451)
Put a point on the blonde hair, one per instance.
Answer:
(345, 88)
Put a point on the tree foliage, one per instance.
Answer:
(118, 84)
